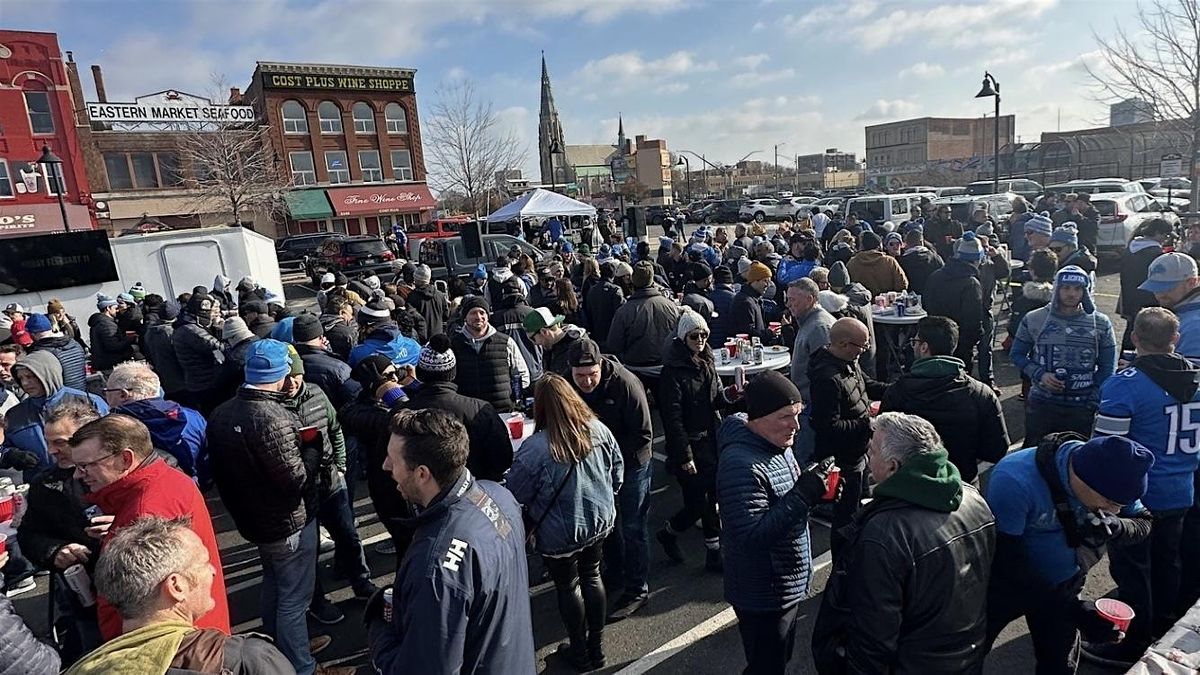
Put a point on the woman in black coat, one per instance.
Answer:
(1145, 245)
(690, 397)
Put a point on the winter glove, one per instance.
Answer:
(811, 486)
(19, 460)
(1100, 529)
(1093, 627)
(370, 372)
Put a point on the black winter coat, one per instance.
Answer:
(161, 354)
(70, 355)
(955, 292)
(266, 483)
(54, 518)
(965, 412)
(1135, 267)
(918, 266)
(722, 297)
(491, 450)
(620, 402)
(907, 594)
(199, 353)
(433, 306)
(600, 305)
(941, 235)
(689, 400)
(746, 315)
(841, 407)
(342, 336)
(324, 370)
(366, 419)
(110, 346)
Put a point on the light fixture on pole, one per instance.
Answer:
(687, 172)
(555, 148)
(53, 164)
(777, 164)
(992, 88)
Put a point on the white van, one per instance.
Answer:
(878, 209)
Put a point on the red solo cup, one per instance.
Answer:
(874, 408)
(743, 336)
(775, 326)
(1115, 611)
(831, 483)
(6, 509)
(731, 347)
(516, 426)
(3, 543)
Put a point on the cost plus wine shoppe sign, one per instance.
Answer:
(382, 199)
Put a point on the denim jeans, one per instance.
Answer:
(987, 374)
(289, 569)
(627, 549)
(806, 439)
(1047, 418)
(1147, 575)
(337, 515)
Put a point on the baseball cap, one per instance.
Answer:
(15, 307)
(1167, 270)
(583, 353)
(541, 318)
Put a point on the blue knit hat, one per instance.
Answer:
(283, 330)
(103, 301)
(38, 323)
(892, 236)
(1040, 224)
(267, 362)
(1113, 466)
(125, 298)
(969, 248)
(1067, 234)
(1074, 274)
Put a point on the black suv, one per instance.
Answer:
(292, 251)
(349, 254)
(723, 211)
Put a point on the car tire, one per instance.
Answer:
(759, 217)
(708, 220)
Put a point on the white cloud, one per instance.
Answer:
(883, 109)
(832, 13)
(456, 73)
(751, 61)
(630, 70)
(758, 78)
(968, 24)
(922, 69)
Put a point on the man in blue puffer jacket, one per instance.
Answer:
(383, 336)
(134, 389)
(764, 500)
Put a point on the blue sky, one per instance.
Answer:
(717, 77)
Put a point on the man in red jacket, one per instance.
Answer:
(114, 457)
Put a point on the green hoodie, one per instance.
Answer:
(149, 649)
(927, 479)
(937, 366)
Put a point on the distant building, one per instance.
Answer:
(551, 144)
(830, 160)
(1130, 111)
(933, 150)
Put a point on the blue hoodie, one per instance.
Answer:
(175, 430)
(389, 341)
(1082, 344)
(26, 425)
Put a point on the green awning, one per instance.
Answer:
(308, 204)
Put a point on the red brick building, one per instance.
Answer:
(350, 138)
(36, 110)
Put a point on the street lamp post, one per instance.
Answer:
(53, 164)
(992, 88)
(687, 172)
(555, 148)
(777, 164)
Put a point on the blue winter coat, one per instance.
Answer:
(177, 431)
(26, 421)
(764, 523)
(389, 341)
(585, 510)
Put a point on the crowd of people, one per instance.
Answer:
(407, 385)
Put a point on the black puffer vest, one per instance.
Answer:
(484, 374)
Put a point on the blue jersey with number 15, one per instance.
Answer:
(1134, 406)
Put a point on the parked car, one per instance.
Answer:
(878, 209)
(1121, 213)
(759, 210)
(449, 226)
(950, 191)
(722, 211)
(999, 207)
(830, 205)
(1161, 187)
(446, 257)
(794, 207)
(291, 251)
(691, 212)
(1094, 186)
(1023, 186)
(350, 255)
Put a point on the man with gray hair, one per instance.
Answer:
(158, 575)
(429, 301)
(811, 323)
(908, 590)
(133, 389)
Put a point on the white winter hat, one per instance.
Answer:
(328, 278)
(689, 321)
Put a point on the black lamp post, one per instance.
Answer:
(992, 88)
(555, 148)
(687, 172)
(53, 164)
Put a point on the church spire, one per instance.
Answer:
(620, 134)
(550, 135)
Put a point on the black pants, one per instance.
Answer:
(581, 600)
(854, 484)
(1147, 575)
(699, 501)
(768, 639)
(1047, 418)
(1051, 618)
(1189, 553)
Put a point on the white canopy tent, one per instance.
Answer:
(541, 203)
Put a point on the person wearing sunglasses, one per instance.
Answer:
(1064, 243)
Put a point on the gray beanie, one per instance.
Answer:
(839, 276)
(235, 331)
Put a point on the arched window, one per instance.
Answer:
(364, 119)
(295, 120)
(397, 120)
(331, 117)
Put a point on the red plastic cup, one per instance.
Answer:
(1115, 611)
(6, 508)
(775, 326)
(874, 409)
(831, 483)
(731, 347)
(516, 426)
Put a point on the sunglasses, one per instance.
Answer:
(1057, 249)
(699, 336)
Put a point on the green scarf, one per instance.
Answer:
(937, 366)
(926, 479)
(149, 649)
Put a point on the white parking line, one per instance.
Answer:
(713, 624)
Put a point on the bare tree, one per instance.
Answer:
(1159, 63)
(235, 170)
(466, 144)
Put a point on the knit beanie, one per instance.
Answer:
(623, 270)
(697, 270)
(247, 284)
(436, 362)
(103, 301)
(297, 367)
(38, 323)
(372, 282)
(743, 265)
(1113, 466)
(1067, 233)
(892, 237)
(137, 292)
(985, 230)
(267, 362)
(869, 241)
(234, 331)
(689, 320)
(1040, 224)
(373, 312)
(839, 276)
(306, 327)
(283, 330)
(722, 275)
(422, 274)
(125, 298)
(643, 274)
(339, 279)
(769, 392)
(471, 302)
(757, 272)
(969, 248)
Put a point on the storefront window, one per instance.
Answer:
(331, 117)
(6, 184)
(339, 226)
(368, 160)
(364, 119)
(397, 120)
(144, 173)
(295, 121)
(402, 165)
(168, 169)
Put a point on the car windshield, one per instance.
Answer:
(981, 188)
(868, 209)
(1105, 207)
(369, 247)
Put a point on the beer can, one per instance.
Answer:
(387, 605)
(91, 512)
(80, 581)
(739, 377)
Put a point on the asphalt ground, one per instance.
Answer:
(686, 627)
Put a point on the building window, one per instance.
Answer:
(50, 178)
(6, 184)
(41, 120)
(168, 169)
(303, 171)
(368, 161)
(335, 164)
(397, 119)
(402, 165)
(364, 119)
(295, 120)
(331, 117)
(339, 225)
(117, 166)
(144, 173)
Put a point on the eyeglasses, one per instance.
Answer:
(862, 348)
(85, 466)
(1057, 249)
(914, 341)
(699, 336)
(106, 390)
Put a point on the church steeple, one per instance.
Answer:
(550, 135)
(620, 134)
